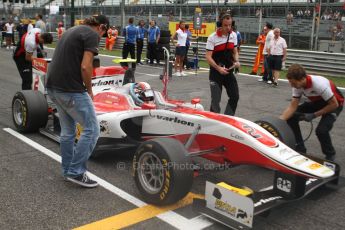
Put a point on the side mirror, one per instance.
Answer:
(195, 101)
(148, 106)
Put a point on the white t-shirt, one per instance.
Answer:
(9, 28)
(41, 25)
(181, 37)
(277, 46)
(31, 42)
(217, 43)
(269, 37)
(318, 88)
(30, 27)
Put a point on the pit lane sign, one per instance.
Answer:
(197, 19)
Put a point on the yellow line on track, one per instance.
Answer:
(137, 215)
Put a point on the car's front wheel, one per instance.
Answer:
(163, 171)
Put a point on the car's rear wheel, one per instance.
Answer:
(29, 111)
(279, 129)
(163, 171)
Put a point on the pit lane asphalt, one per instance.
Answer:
(33, 194)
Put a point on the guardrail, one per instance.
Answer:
(331, 64)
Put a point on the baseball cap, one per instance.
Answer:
(102, 19)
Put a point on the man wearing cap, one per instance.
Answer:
(69, 87)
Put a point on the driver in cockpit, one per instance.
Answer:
(141, 92)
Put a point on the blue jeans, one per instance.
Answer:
(75, 108)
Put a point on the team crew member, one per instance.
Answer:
(60, 30)
(110, 39)
(323, 100)
(181, 36)
(152, 41)
(188, 43)
(239, 42)
(277, 53)
(268, 72)
(69, 87)
(140, 40)
(24, 52)
(259, 58)
(40, 23)
(9, 27)
(130, 33)
(222, 56)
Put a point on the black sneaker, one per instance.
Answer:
(83, 180)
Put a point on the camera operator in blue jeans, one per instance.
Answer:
(69, 87)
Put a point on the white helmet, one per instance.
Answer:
(141, 92)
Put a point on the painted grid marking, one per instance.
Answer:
(170, 217)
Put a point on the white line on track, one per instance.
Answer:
(170, 217)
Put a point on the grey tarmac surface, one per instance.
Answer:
(33, 194)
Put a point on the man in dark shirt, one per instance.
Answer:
(140, 40)
(69, 87)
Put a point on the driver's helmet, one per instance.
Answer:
(141, 92)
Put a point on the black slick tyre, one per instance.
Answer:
(279, 129)
(163, 171)
(29, 111)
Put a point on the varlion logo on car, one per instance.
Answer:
(101, 83)
(175, 120)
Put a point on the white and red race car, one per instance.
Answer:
(169, 134)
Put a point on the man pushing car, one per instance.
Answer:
(323, 100)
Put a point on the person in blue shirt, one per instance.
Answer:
(140, 40)
(239, 41)
(130, 33)
(153, 35)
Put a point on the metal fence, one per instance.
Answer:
(331, 64)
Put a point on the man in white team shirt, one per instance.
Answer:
(268, 72)
(323, 100)
(24, 52)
